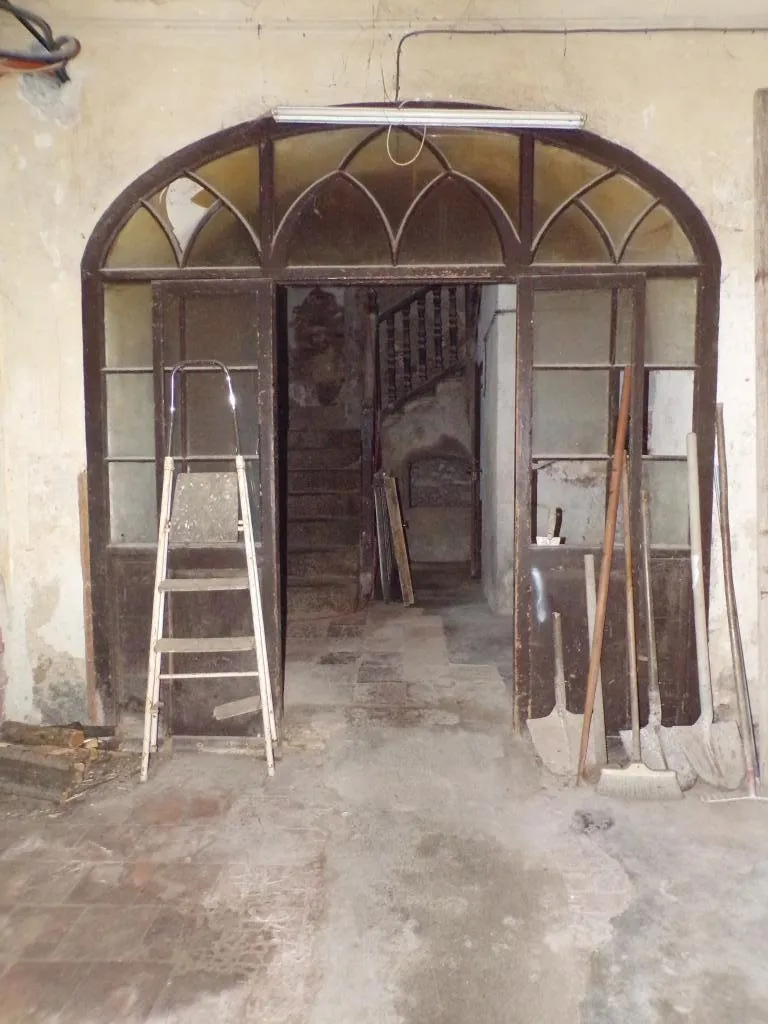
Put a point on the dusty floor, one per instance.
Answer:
(409, 864)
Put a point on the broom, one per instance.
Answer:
(636, 781)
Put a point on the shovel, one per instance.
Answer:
(713, 749)
(659, 747)
(557, 737)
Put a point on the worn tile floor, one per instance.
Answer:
(409, 864)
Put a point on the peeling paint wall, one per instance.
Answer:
(428, 425)
(682, 101)
(497, 350)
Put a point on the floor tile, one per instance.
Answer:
(107, 933)
(31, 932)
(116, 993)
(34, 996)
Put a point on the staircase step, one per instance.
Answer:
(322, 506)
(335, 480)
(322, 534)
(349, 439)
(311, 565)
(321, 598)
(324, 458)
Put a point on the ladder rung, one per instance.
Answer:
(207, 675)
(200, 584)
(205, 644)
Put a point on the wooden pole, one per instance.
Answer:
(761, 426)
(609, 539)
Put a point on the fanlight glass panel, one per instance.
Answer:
(223, 241)
(301, 160)
(557, 175)
(659, 239)
(236, 177)
(492, 159)
(617, 203)
(572, 238)
(450, 225)
(142, 243)
(395, 187)
(339, 226)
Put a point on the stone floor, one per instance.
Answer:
(409, 864)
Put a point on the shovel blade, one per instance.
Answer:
(714, 752)
(556, 739)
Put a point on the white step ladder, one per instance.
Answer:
(199, 509)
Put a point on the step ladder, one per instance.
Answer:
(198, 510)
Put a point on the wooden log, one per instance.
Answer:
(42, 735)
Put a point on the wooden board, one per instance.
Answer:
(383, 537)
(398, 539)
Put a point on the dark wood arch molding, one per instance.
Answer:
(271, 239)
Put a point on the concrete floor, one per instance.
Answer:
(409, 864)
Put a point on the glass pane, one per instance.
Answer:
(218, 327)
(128, 325)
(617, 203)
(659, 239)
(130, 414)
(181, 205)
(142, 243)
(570, 412)
(572, 238)
(209, 417)
(670, 411)
(395, 187)
(557, 175)
(132, 503)
(625, 324)
(572, 326)
(667, 486)
(302, 159)
(670, 320)
(340, 226)
(452, 224)
(236, 176)
(491, 158)
(205, 417)
(579, 489)
(223, 242)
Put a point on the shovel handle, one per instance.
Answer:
(654, 694)
(560, 695)
(609, 539)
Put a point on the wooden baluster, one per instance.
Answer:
(390, 345)
(421, 338)
(453, 326)
(437, 300)
(405, 336)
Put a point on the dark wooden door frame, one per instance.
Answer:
(274, 270)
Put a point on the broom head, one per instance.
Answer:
(638, 782)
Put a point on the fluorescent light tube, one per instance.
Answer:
(429, 117)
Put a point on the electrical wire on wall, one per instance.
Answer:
(55, 52)
(564, 33)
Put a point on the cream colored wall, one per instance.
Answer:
(155, 76)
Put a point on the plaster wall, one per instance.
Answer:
(155, 77)
(430, 425)
(497, 350)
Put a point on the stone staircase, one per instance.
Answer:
(323, 522)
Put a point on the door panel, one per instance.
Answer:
(232, 322)
(576, 336)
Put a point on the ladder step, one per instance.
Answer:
(205, 645)
(208, 675)
(203, 584)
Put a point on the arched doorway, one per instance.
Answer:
(613, 264)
